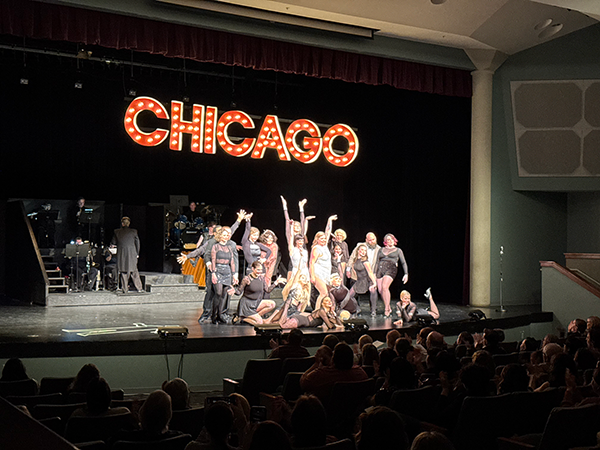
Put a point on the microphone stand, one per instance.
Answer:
(502, 309)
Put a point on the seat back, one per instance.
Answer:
(174, 443)
(260, 375)
(346, 401)
(32, 400)
(20, 388)
(84, 429)
(43, 411)
(508, 358)
(481, 421)
(188, 421)
(79, 397)
(571, 427)
(344, 444)
(50, 385)
(531, 409)
(295, 365)
(418, 403)
(291, 386)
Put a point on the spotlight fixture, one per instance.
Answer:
(78, 85)
(186, 99)
(83, 54)
(132, 93)
(24, 81)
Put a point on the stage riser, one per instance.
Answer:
(110, 298)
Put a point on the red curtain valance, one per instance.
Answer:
(56, 22)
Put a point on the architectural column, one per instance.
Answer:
(486, 62)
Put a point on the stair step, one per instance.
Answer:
(52, 271)
(58, 287)
(56, 279)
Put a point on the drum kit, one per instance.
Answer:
(184, 232)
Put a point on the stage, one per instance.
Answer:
(109, 324)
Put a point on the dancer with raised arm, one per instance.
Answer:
(388, 258)
(365, 278)
(269, 240)
(407, 311)
(251, 248)
(320, 261)
(298, 256)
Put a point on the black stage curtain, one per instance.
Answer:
(55, 22)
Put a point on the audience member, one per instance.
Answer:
(319, 379)
(435, 340)
(98, 399)
(577, 326)
(292, 347)
(269, 435)
(431, 440)
(391, 337)
(593, 322)
(309, 422)
(218, 423)
(86, 374)
(14, 370)
(179, 392)
(370, 355)
(550, 339)
(381, 428)
(514, 378)
(491, 342)
(331, 340)
(529, 344)
(593, 341)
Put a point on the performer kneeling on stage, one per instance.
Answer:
(407, 311)
(252, 308)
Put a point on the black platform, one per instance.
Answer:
(131, 329)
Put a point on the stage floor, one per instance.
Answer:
(131, 329)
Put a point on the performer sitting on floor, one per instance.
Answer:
(407, 311)
(252, 307)
(343, 298)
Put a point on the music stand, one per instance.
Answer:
(90, 216)
(76, 251)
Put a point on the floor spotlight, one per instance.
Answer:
(24, 81)
(78, 85)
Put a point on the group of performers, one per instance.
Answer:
(327, 277)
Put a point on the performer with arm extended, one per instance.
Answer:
(320, 261)
(298, 256)
(252, 306)
(269, 240)
(252, 249)
(407, 311)
(387, 268)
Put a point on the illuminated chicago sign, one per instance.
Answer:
(302, 139)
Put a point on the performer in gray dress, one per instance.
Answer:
(128, 250)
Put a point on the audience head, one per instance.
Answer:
(514, 378)
(550, 339)
(403, 347)
(98, 396)
(240, 404)
(577, 326)
(422, 336)
(550, 350)
(295, 337)
(363, 340)
(593, 338)
(559, 364)
(14, 370)
(309, 422)
(386, 357)
(381, 428)
(179, 392)
(465, 338)
(391, 338)
(155, 413)
(593, 322)
(446, 362)
(343, 356)
(87, 373)
(529, 344)
(491, 338)
(269, 435)
(402, 374)
(435, 340)
(218, 420)
(370, 355)
(431, 440)
(331, 340)
(536, 357)
(325, 355)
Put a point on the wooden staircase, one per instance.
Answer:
(58, 283)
